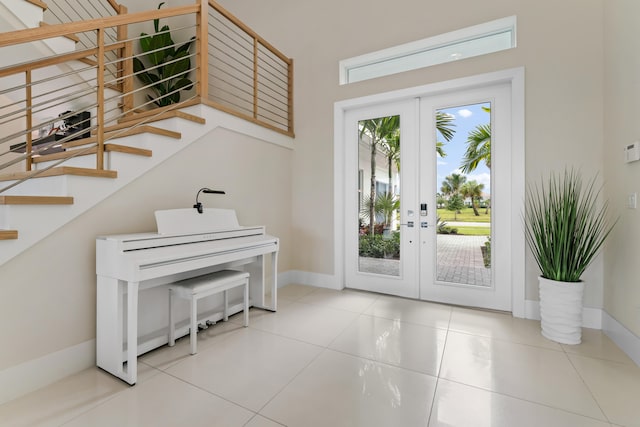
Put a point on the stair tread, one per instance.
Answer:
(36, 200)
(58, 171)
(109, 147)
(129, 150)
(153, 116)
(8, 234)
(114, 133)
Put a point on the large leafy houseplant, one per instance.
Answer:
(168, 66)
(565, 227)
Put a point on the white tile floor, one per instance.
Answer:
(330, 359)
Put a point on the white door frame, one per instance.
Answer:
(514, 77)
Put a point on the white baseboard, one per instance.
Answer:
(21, 379)
(307, 278)
(624, 338)
(591, 317)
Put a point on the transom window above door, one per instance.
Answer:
(468, 42)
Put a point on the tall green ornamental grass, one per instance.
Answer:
(564, 226)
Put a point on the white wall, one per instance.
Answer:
(621, 111)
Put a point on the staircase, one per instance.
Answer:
(41, 190)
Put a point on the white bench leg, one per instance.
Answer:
(193, 337)
(172, 326)
(246, 303)
(225, 314)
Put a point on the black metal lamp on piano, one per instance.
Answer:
(188, 243)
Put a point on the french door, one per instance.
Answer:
(381, 222)
(400, 188)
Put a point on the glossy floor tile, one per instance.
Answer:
(346, 300)
(164, 401)
(350, 358)
(616, 386)
(341, 390)
(406, 310)
(294, 292)
(313, 324)
(248, 368)
(599, 346)
(166, 356)
(461, 405)
(532, 373)
(62, 401)
(406, 345)
(499, 326)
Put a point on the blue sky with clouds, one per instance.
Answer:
(466, 118)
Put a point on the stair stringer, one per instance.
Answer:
(34, 223)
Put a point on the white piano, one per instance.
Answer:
(187, 244)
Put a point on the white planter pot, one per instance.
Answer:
(561, 310)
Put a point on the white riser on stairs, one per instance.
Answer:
(51, 186)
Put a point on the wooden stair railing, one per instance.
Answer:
(40, 4)
(71, 37)
(265, 60)
(271, 83)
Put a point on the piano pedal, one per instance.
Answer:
(202, 326)
(210, 323)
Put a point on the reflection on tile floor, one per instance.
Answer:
(347, 358)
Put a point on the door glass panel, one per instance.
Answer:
(379, 196)
(463, 195)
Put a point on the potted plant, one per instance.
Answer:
(168, 68)
(565, 228)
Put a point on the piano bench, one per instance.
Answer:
(199, 287)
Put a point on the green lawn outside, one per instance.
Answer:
(473, 231)
(465, 215)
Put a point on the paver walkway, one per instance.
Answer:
(459, 261)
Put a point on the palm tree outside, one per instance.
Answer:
(377, 130)
(452, 184)
(391, 148)
(478, 147)
(473, 191)
(445, 125)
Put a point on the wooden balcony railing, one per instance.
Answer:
(232, 69)
(247, 76)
